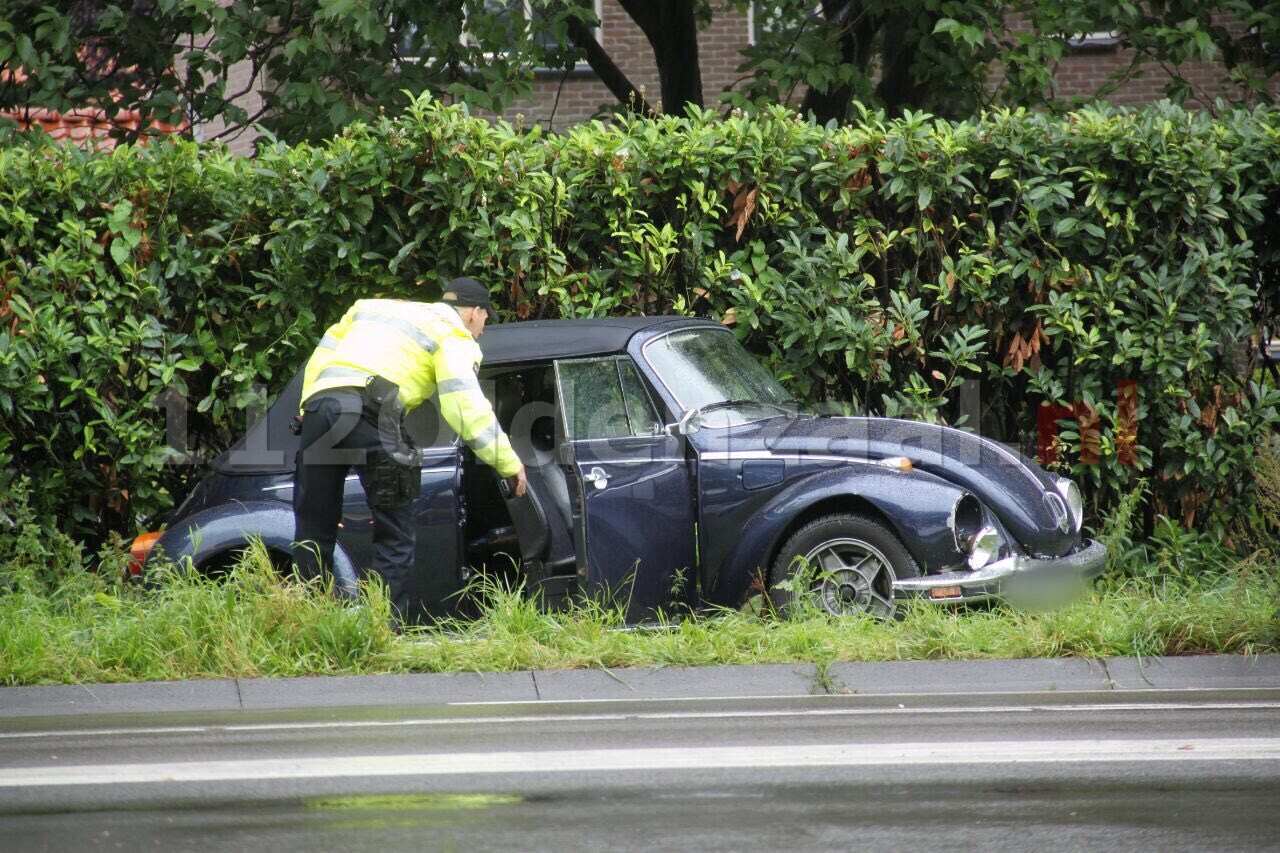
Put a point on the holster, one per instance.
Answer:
(390, 483)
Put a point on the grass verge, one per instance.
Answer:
(87, 630)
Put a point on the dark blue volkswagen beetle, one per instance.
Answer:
(668, 469)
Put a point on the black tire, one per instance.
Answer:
(847, 564)
(345, 581)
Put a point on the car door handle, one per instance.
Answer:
(597, 477)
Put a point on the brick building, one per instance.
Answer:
(562, 99)
(1091, 60)
(239, 79)
(87, 127)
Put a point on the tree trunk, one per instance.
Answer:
(898, 88)
(672, 31)
(613, 77)
(855, 28)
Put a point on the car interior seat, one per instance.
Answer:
(543, 518)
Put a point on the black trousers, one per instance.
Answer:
(336, 437)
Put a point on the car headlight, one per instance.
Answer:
(983, 547)
(1071, 496)
(978, 541)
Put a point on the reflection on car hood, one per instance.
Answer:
(1013, 486)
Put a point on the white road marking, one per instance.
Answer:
(527, 719)
(680, 758)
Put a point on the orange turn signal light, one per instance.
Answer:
(140, 550)
(897, 463)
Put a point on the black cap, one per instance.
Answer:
(466, 292)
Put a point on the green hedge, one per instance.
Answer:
(1041, 259)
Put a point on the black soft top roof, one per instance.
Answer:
(532, 340)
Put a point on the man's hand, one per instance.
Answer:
(518, 482)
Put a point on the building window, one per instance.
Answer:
(517, 20)
(498, 25)
(773, 19)
(1094, 41)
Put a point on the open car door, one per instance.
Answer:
(633, 509)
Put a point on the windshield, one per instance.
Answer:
(704, 367)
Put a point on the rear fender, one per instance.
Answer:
(212, 533)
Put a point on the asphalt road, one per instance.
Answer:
(1169, 754)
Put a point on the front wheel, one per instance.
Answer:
(844, 564)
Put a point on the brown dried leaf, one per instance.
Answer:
(858, 180)
(1209, 418)
(744, 204)
(1013, 355)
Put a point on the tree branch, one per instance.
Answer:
(672, 31)
(614, 79)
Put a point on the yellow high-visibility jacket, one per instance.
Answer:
(423, 348)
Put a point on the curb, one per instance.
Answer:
(771, 681)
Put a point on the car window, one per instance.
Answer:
(523, 398)
(641, 413)
(605, 398)
(702, 367)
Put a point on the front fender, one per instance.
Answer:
(211, 533)
(916, 505)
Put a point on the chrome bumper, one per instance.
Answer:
(1015, 578)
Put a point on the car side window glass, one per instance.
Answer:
(641, 413)
(604, 398)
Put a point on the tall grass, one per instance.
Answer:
(252, 624)
(1232, 613)
(256, 625)
(1176, 594)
